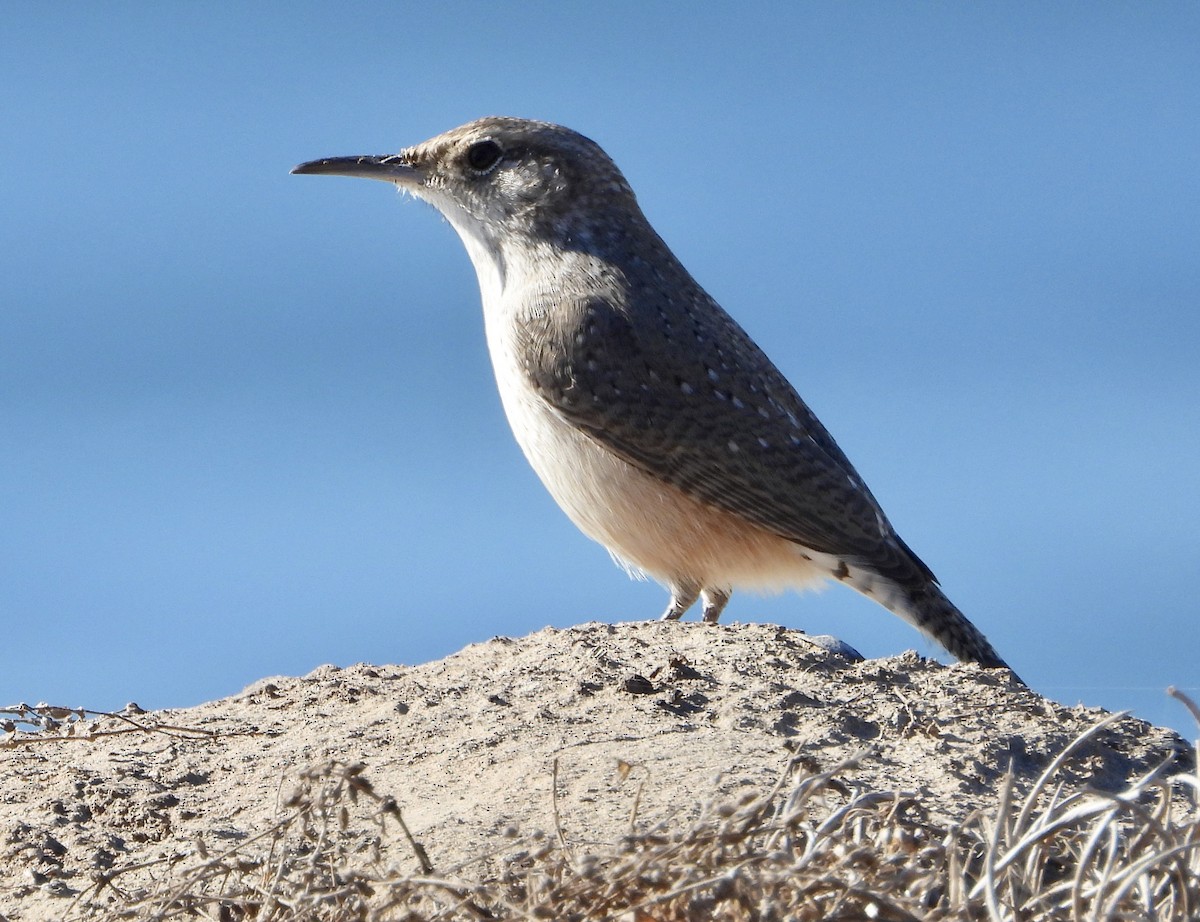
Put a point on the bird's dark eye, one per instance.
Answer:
(483, 155)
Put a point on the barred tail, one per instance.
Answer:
(910, 591)
(931, 612)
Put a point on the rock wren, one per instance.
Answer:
(656, 423)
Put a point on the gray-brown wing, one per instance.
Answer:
(688, 397)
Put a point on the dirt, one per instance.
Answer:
(583, 731)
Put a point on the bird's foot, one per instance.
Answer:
(683, 596)
(714, 603)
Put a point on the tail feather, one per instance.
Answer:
(918, 599)
(934, 614)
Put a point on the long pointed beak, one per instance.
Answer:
(389, 168)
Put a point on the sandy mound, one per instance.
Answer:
(683, 713)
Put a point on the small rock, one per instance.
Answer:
(637, 684)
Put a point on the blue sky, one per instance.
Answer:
(247, 419)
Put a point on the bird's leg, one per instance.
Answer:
(683, 595)
(714, 603)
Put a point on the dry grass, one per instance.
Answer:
(28, 725)
(814, 848)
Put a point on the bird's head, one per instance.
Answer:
(498, 178)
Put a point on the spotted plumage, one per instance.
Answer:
(653, 419)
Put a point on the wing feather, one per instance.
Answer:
(688, 397)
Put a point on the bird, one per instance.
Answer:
(659, 426)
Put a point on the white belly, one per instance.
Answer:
(648, 525)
